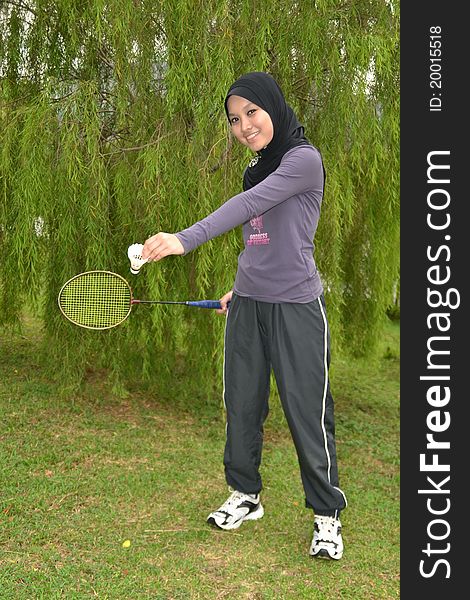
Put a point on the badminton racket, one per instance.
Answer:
(103, 300)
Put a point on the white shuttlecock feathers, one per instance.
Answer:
(134, 253)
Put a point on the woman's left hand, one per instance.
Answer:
(160, 245)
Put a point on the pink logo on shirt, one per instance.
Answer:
(259, 238)
(257, 224)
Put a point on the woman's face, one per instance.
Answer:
(251, 125)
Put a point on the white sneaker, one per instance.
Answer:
(238, 507)
(327, 541)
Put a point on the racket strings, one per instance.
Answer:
(97, 300)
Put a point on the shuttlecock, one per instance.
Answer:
(134, 253)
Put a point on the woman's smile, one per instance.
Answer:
(251, 136)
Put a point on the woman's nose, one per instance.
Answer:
(245, 125)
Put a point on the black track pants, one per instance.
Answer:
(293, 340)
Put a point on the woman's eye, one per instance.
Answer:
(251, 111)
(233, 120)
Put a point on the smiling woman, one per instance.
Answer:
(277, 318)
(251, 125)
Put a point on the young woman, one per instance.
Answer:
(277, 316)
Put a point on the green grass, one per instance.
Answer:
(81, 476)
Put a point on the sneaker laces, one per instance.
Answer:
(235, 498)
(327, 528)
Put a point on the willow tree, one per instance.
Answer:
(112, 128)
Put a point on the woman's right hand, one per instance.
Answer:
(226, 298)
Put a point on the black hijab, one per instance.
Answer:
(262, 89)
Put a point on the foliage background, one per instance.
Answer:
(112, 128)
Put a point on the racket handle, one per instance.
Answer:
(204, 303)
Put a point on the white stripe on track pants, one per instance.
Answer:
(293, 340)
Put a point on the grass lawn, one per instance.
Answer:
(80, 477)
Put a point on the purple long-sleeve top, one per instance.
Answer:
(279, 217)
